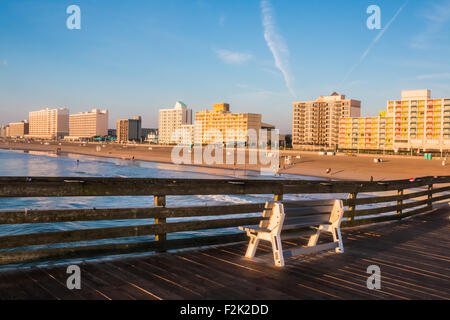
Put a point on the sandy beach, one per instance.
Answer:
(343, 167)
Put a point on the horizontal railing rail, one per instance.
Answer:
(151, 236)
(79, 187)
(69, 215)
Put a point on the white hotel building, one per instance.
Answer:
(49, 123)
(171, 120)
(88, 124)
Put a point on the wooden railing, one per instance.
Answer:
(22, 244)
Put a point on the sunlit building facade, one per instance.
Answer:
(49, 123)
(89, 124)
(18, 129)
(129, 129)
(3, 131)
(317, 122)
(220, 125)
(366, 132)
(416, 121)
(171, 120)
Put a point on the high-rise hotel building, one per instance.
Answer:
(220, 125)
(49, 123)
(367, 132)
(416, 121)
(129, 129)
(88, 124)
(3, 131)
(317, 122)
(18, 129)
(171, 120)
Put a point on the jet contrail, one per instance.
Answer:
(277, 45)
(374, 41)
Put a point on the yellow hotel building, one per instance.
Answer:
(415, 122)
(220, 125)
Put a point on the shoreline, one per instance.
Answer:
(228, 170)
(342, 166)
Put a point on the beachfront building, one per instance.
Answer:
(49, 123)
(149, 134)
(112, 133)
(129, 129)
(317, 122)
(375, 133)
(18, 129)
(220, 125)
(171, 120)
(187, 134)
(416, 121)
(3, 131)
(86, 125)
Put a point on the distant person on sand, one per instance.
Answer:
(328, 171)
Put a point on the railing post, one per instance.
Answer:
(400, 194)
(278, 197)
(160, 201)
(352, 207)
(430, 196)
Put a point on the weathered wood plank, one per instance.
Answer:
(115, 249)
(381, 199)
(411, 254)
(32, 239)
(97, 214)
(392, 217)
(367, 212)
(84, 186)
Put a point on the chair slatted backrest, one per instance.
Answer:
(267, 213)
(314, 211)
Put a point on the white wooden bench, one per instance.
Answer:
(290, 219)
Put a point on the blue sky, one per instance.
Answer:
(137, 56)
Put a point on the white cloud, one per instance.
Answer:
(440, 12)
(433, 76)
(233, 57)
(436, 18)
(277, 45)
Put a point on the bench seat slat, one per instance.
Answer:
(308, 203)
(291, 226)
(306, 211)
(253, 229)
(322, 218)
(304, 225)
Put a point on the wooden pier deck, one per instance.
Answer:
(413, 255)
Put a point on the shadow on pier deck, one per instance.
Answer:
(413, 256)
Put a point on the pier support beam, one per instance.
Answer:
(278, 197)
(160, 201)
(430, 196)
(352, 207)
(400, 201)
